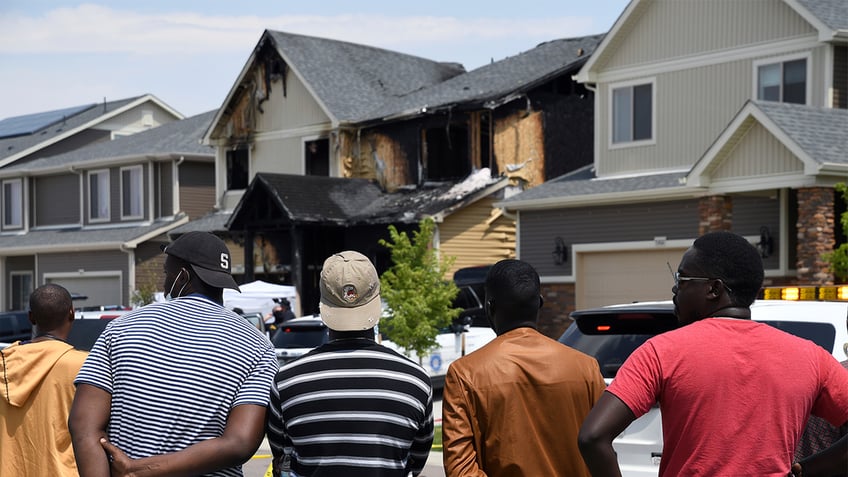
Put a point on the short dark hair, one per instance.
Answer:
(735, 261)
(50, 305)
(514, 285)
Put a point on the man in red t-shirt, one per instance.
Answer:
(725, 410)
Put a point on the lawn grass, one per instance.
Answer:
(437, 439)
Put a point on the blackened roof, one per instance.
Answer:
(499, 80)
(346, 202)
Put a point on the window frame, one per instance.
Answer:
(613, 87)
(139, 194)
(781, 60)
(108, 215)
(20, 204)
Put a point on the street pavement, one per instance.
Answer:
(260, 463)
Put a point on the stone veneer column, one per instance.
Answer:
(815, 235)
(715, 213)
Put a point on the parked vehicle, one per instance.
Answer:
(611, 333)
(14, 326)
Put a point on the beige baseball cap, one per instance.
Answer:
(350, 292)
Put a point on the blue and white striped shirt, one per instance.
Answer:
(175, 370)
(355, 408)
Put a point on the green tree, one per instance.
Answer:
(414, 288)
(145, 295)
(838, 259)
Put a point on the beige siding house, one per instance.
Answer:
(734, 107)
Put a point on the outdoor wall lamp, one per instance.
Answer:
(766, 243)
(560, 253)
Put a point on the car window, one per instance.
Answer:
(300, 336)
(610, 350)
(822, 334)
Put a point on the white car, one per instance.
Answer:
(611, 333)
(298, 336)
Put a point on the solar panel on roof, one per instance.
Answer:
(30, 123)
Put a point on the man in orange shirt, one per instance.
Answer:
(514, 407)
(38, 389)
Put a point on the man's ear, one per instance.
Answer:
(541, 302)
(490, 307)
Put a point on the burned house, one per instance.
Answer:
(321, 144)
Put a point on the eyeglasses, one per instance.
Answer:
(677, 279)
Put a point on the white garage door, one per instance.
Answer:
(100, 290)
(607, 278)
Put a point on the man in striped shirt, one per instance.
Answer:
(177, 388)
(351, 407)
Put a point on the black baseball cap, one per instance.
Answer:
(208, 256)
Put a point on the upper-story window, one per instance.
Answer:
(131, 192)
(632, 113)
(237, 168)
(98, 196)
(783, 81)
(13, 203)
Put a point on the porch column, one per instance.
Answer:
(248, 256)
(715, 213)
(816, 235)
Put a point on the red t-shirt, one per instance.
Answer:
(734, 395)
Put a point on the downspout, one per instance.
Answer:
(73, 170)
(175, 206)
(130, 287)
(151, 215)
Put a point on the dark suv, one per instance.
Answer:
(14, 326)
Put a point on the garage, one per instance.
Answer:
(611, 277)
(100, 289)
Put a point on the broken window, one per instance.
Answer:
(317, 157)
(237, 168)
(446, 153)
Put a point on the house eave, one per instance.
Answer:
(603, 199)
(148, 97)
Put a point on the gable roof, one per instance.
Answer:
(498, 82)
(78, 119)
(346, 79)
(170, 140)
(816, 136)
(830, 17)
(349, 202)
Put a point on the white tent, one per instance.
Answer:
(258, 297)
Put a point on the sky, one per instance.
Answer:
(189, 53)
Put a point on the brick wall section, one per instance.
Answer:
(815, 235)
(559, 303)
(715, 213)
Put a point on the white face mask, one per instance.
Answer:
(168, 296)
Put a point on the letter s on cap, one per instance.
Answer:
(225, 260)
